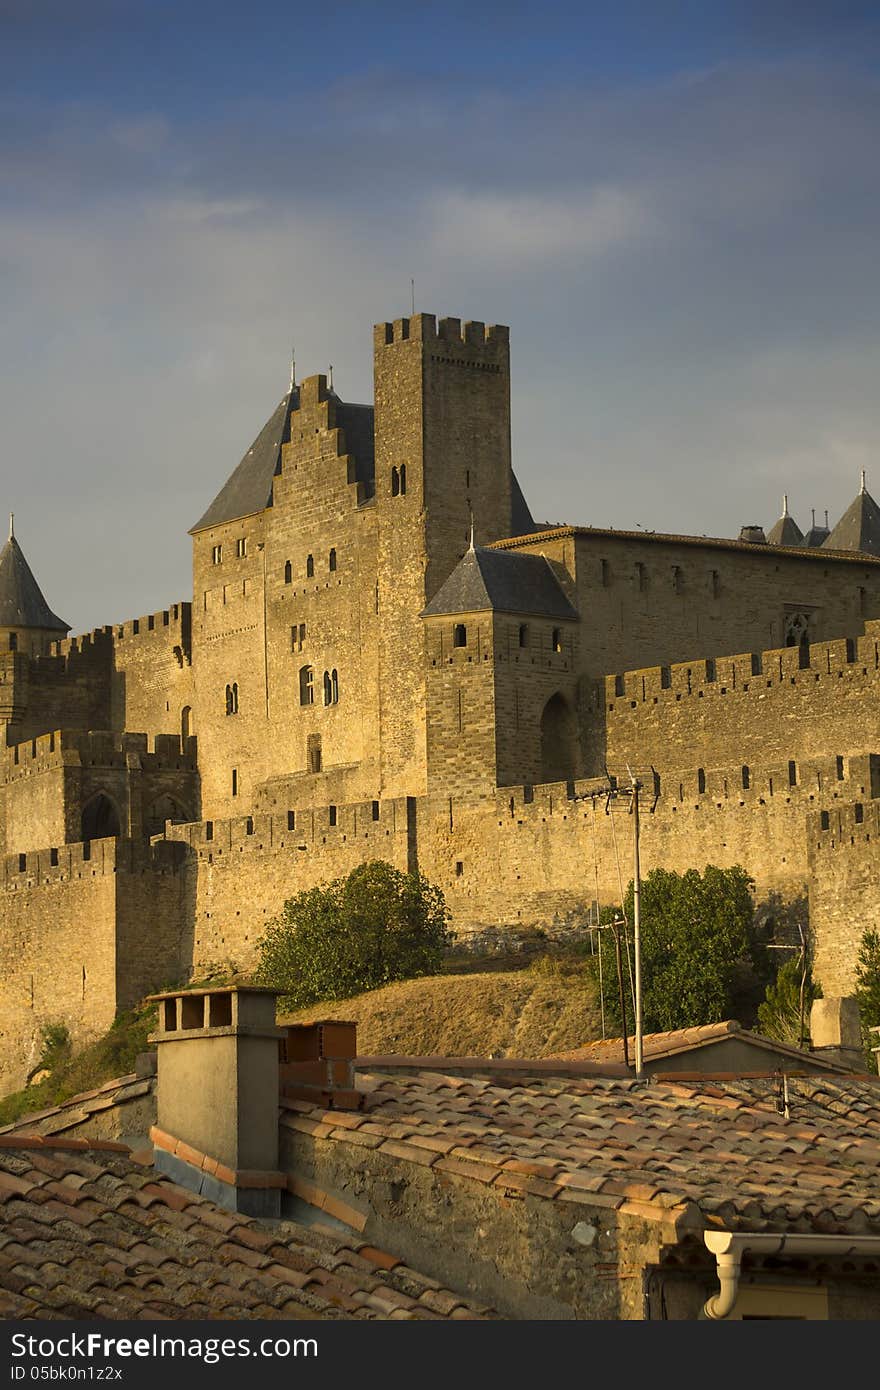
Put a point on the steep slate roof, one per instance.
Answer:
(786, 530)
(501, 581)
(89, 1230)
(656, 1046)
(248, 489)
(21, 601)
(707, 1153)
(858, 528)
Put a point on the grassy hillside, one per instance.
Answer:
(546, 1008)
(549, 1006)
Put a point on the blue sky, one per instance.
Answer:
(674, 206)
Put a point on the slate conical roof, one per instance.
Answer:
(859, 527)
(502, 581)
(817, 535)
(249, 488)
(786, 530)
(21, 602)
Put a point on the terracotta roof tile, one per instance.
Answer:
(657, 1148)
(85, 1233)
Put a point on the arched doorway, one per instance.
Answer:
(558, 741)
(100, 819)
(163, 809)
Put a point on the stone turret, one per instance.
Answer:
(27, 623)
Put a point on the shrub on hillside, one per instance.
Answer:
(354, 934)
(698, 939)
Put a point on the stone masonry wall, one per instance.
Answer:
(240, 872)
(85, 930)
(646, 600)
(791, 703)
(57, 951)
(844, 847)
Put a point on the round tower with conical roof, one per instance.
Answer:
(27, 623)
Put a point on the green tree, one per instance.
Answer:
(780, 1014)
(354, 934)
(697, 939)
(867, 991)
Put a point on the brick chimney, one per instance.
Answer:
(216, 1128)
(317, 1063)
(835, 1031)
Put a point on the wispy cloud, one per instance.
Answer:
(687, 266)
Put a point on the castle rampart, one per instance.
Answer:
(85, 930)
(843, 845)
(780, 704)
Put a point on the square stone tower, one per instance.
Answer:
(442, 394)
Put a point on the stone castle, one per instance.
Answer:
(385, 656)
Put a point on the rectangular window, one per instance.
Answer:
(241, 547)
(216, 555)
(235, 781)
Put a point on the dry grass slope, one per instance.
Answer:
(519, 1013)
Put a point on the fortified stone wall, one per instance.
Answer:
(543, 855)
(240, 872)
(87, 929)
(648, 599)
(83, 932)
(843, 843)
(68, 689)
(49, 781)
(791, 703)
(151, 683)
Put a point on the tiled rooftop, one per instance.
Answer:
(55, 1119)
(89, 1230)
(716, 1153)
(658, 1045)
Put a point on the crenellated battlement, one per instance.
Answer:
(298, 830)
(166, 623)
(449, 331)
(88, 859)
(66, 747)
(747, 673)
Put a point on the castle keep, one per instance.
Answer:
(386, 656)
